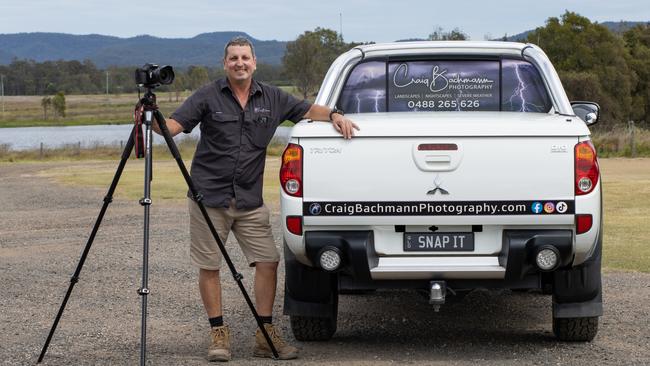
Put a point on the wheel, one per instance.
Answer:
(307, 328)
(575, 329)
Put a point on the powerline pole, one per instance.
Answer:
(2, 92)
(106, 82)
(341, 26)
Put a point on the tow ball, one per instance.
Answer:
(437, 291)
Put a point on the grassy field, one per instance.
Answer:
(626, 185)
(26, 111)
(167, 183)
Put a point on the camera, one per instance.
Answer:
(151, 75)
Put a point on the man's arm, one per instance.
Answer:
(172, 125)
(342, 124)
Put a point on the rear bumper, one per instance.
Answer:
(311, 291)
(515, 261)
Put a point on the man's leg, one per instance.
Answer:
(210, 288)
(252, 229)
(204, 253)
(266, 276)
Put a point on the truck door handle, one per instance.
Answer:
(437, 159)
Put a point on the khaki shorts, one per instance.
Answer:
(252, 230)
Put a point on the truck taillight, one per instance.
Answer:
(291, 170)
(586, 168)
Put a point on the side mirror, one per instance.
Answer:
(589, 112)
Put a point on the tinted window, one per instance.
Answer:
(444, 85)
(523, 88)
(365, 89)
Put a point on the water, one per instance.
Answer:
(27, 138)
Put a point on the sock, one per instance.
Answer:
(216, 322)
(267, 319)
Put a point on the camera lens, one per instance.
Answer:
(165, 75)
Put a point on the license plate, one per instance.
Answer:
(438, 242)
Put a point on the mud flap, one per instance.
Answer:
(308, 291)
(577, 292)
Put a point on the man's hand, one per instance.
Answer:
(344, 125)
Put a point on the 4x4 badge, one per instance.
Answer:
(436, 181)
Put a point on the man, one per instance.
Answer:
(238, 118)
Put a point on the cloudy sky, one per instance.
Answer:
(362, 20)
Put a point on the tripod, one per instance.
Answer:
(150, 110)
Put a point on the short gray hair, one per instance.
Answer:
(238, 41)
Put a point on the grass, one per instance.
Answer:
(167, 184)
(618, 143)
(626, 185)
(26, 111)
(90, 109)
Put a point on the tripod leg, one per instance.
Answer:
(75, 277)
(198, 198)
(146, 203)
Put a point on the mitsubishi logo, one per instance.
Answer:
(437, 182)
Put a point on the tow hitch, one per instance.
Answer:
(437, 291)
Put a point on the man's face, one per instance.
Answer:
(239, 63)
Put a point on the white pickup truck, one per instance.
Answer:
(471, 170)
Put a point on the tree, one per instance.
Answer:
(307, 59)
(179, 84)
(46, 102)
(440, 35)
(592, 63)
(58, 102)
(198, 76)
(637, 42)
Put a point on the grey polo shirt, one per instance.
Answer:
(230, 156)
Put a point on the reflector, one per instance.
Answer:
(583, 223)
(294, 224)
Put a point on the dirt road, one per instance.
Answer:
(44, 226)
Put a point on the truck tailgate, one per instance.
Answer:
(461, 178)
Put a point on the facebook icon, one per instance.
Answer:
(537, 207)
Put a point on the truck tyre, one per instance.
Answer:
(575, 329)
(307, 328)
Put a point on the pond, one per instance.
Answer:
(28, 138)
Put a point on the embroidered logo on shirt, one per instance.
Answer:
(261, 110)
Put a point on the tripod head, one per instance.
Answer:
(148, 101)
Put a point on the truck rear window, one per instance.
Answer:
(444, 85)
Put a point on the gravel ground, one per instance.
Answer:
(44, 226)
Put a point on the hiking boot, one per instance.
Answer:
(219, 349)
(262, 349)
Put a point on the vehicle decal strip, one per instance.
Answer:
(440, 208)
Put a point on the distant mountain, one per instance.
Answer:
(616, 27)
(204, 49)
